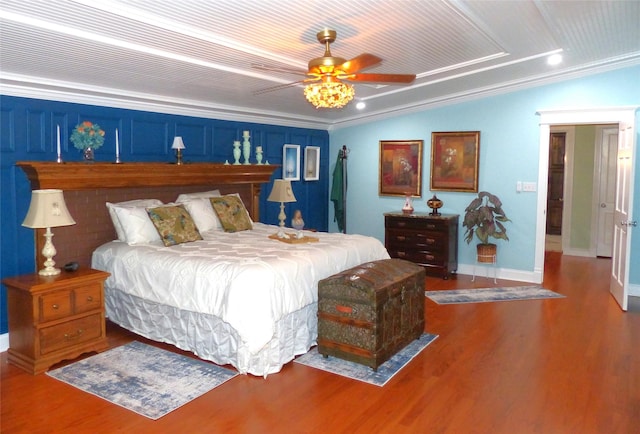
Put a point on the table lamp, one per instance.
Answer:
(48, 210)
(281, 192)
(178, 145)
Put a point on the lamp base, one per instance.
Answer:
(49, 271)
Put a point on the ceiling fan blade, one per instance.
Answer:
(380, 78)
(359, 63)
(269, 68)
(283, 86)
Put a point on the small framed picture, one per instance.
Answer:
(400, 168)
(454, 161)
(311, 163)
(291, 162)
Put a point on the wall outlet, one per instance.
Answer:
(529, 186)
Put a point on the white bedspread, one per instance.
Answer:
(244, 278)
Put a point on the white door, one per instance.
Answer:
(606, 191)
(619, 285)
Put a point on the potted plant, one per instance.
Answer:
(484, 217)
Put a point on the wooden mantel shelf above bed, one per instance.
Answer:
(87, 176)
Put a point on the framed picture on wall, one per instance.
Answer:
(454, 161)
(311, 163)
(400, 168)
(291, 162)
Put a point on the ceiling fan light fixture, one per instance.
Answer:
(332, 94)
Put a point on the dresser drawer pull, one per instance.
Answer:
(345, 309)
(401, 254)
(55, 306)
(429, 226)
(401, 224)
(89, 298)
(401, 238)
(430, 257)
(77, 334)
(430, 241)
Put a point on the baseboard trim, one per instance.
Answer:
(486, 271)
(634, 290)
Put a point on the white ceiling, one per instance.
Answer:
(196, 56)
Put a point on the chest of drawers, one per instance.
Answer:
(55, 318)
(430, 241)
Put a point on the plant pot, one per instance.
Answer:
(487, 253)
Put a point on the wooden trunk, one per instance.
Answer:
(370, 312)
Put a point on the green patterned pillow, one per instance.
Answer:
(232, 213)
(174, 224)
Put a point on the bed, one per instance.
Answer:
(238, 298)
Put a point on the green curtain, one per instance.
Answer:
(337, 193)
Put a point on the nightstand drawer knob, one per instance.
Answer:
(89, 298)
(55, 306)
(77, 334)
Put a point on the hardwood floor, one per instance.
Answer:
(567, 365)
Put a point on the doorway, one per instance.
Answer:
(555, 190)
(624, 118)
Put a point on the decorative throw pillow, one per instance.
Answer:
(136, 203)
(174, 224)
(232, 213)
(202, 213)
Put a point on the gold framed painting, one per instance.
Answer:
(400, 168)
(454, 161)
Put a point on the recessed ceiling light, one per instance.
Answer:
(554, 59)
(360, 105)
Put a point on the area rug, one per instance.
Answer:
(483, 295)
(360, 372)
(144, 379)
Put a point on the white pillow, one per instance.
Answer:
(128, 204)
(186, 196)
(202, 213)
(137, 225)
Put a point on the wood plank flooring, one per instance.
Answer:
(567, 365)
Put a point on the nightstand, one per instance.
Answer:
(53, 318)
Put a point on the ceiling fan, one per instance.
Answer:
(327, 72)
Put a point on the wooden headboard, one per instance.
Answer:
(88, 186)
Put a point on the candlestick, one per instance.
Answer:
(117, 147)
(59, 159)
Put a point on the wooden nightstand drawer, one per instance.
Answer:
(70, 333)
(53, 318)
(55, 305)
(88, 298)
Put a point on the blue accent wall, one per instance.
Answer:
(28, 133)
(509, 152)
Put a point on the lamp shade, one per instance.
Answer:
(177, 143)
(281, 192)
(47, 210)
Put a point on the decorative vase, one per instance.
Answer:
(435, 204)
(408, 205)
(259, 154)
(246, 148)
(87, 155)
(236, 151)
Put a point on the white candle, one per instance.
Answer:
(58, 141)
(117, 145)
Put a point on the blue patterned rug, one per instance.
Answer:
(360, 372)
(142, 378)
(483, 295)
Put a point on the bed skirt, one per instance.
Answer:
(210, 338)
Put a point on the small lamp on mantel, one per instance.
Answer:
(178, 145)
(281, 192)
(48, 210)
